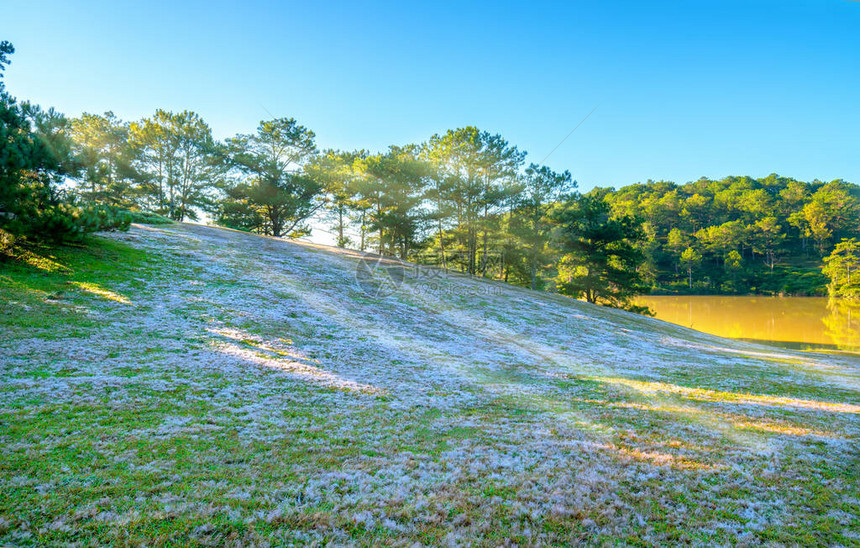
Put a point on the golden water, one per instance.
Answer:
(792, 321)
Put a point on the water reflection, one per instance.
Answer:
(797, 322)
(842, 324)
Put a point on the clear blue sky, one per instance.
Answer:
(684, 88)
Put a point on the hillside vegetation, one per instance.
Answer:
(181, 384)
(739, 234)
(463, 199)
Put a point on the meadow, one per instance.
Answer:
(181, 384)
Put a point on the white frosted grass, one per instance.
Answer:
(473, 395)
(295, 364)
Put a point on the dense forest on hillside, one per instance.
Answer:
(464, 200)
(739, 234)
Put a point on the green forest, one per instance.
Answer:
(739, 235)
(465, 200)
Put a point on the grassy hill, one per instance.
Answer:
(184, 384)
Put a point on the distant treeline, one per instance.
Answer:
(739, 234)
(464, 199)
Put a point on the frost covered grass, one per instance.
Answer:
(191, 385)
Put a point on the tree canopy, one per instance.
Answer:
(601, 261)
(465, 199)
(273, 193)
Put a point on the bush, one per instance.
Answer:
(147, 218)
(64, 221)
(6, 241)
(104, 218)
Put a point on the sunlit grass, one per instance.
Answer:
(662, 459)
(94, 289)
(737, 421)
(47, 287)
(702, 394)
(42, 262)
(783, 429)
(285, 358)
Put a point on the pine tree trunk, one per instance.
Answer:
(362, 246)
(484, 256)
(442, 246)
(340, 241)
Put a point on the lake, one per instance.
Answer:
(794, 322)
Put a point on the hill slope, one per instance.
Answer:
(192, 384)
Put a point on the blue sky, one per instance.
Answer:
(683, 89)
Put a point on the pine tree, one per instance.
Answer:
(601, 261)
(842, 266)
